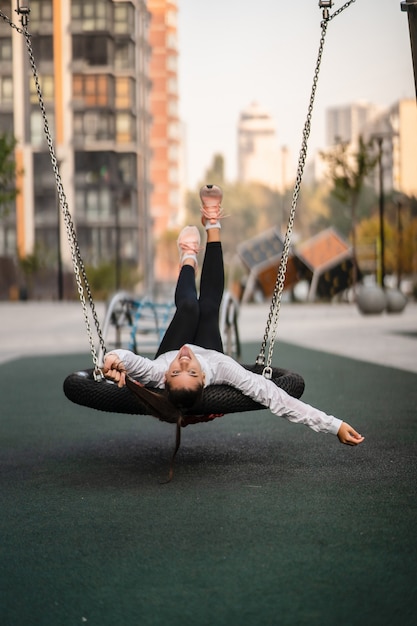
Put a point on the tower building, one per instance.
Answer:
(258, 152)
(92, 59)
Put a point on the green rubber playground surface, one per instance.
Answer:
(265, 522)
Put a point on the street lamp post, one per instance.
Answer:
(380, 140)
(410, 6)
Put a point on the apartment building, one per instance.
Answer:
(394, 129)
(260, 159)
(165, 137)
(92, 59)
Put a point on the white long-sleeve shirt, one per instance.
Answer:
(221, 369)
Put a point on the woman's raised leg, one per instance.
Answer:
(183, 326)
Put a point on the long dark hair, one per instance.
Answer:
(183, 398)
(160, 406)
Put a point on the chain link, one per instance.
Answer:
(83, 286)
(274, 311)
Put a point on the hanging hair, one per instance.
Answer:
(159, 406)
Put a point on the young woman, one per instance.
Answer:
(191, 357)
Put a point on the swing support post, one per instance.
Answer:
(410, 7)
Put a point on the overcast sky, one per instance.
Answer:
(234, 52)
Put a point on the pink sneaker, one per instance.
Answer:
(211, 209)
(189, 244)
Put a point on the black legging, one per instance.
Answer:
(196, 319)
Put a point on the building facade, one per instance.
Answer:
(393, 130)
(345, 123)
(92, 60)
(260, 159)
(165, 136)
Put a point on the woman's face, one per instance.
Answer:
(185, 371)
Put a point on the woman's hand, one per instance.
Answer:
(114, 369)
(348, 435)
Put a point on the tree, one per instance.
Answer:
(215, 173)
(348, 171)
(8, 190)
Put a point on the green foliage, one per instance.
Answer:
(339, 215)
(348, 170)
(102, 279)
(400, 253)
(8, 191)
(215, 173)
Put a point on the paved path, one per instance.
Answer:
(36, 328)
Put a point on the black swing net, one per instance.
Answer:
(89, 387)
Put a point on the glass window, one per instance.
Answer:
(172, 107)
(5, 50)
(36, 126)
(172, 63)
(94, 126)
(40, 11)
(46, 83)
(124, 57)
(172, 41)
(126, 167)
(91, 49)
(92, 90)
(171, 18)
(6, 90)
(123, 17)
(90, 15)
(172, 85)
(42, 48)
(124, 128)
(6, 122)
(124, 93)
(173, 174)
(173, 130)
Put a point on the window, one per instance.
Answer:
(94, 126)
(90, 15)
(6, 90)
(92, 167)
(172, 85)
(6, 122)
(172, 63)
(124, 93)
(173, 174)
(171, 18)
(172, 41)
(47, 88)
(93, 90)
(126, 166)
(43, 48)
(6, 50)
(124, 56)
(97, 203)
(40, 12)
(37, 136)
(125, 127)
(91, 49)
(172, 108)
(123, 18)
(173, 130)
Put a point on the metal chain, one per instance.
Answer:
(274, 311)
(78, 265)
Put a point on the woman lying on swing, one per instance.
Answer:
(190, 355)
